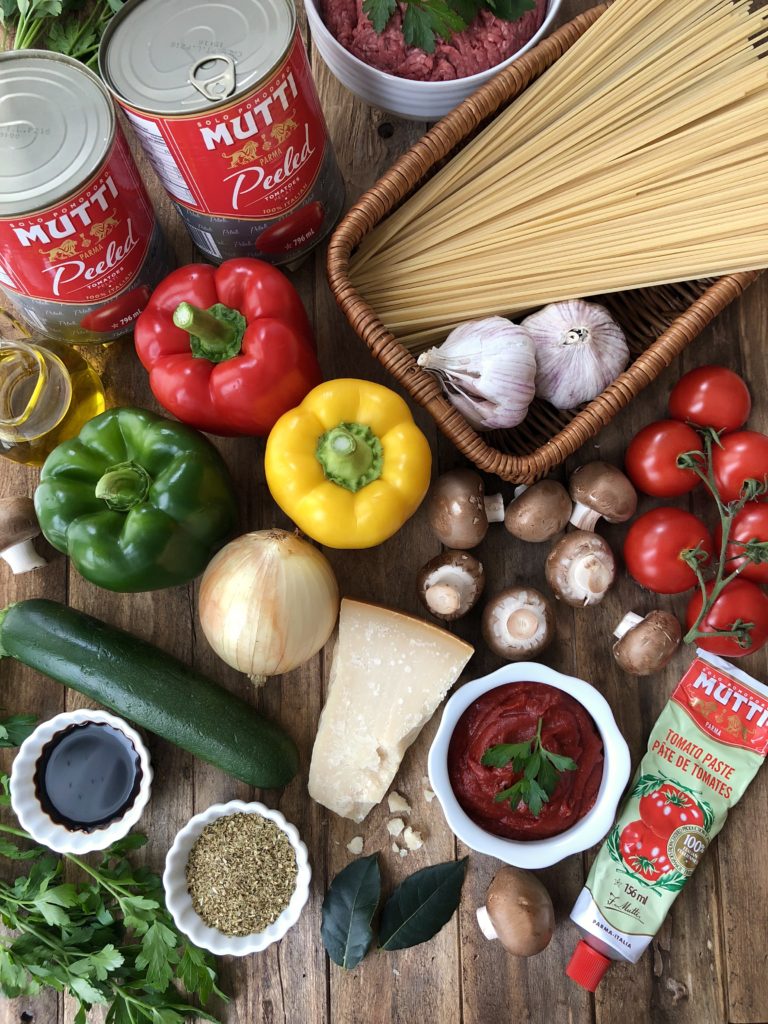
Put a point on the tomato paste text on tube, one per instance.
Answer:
(703, 752)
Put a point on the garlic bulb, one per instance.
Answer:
(487, 369)
(268, 603)
(580, 349)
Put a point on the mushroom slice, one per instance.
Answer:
(518, 623)
(646, 645)
(18, 525)
(538, 512)
(450, 584)
(459, 510)
(518, 912)
(600, 490)
(581, 568)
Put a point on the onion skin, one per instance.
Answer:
(268, 603)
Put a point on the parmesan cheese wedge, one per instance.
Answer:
(389, 673)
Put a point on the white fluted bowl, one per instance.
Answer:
(533, 853)
(179, 902)
(28, 809)
(417, 101)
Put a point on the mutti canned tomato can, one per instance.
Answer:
(80, 247)
(221, 97)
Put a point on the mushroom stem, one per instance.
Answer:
(22, 557)
(583, 517)
(443, 598)
(524, 623)
(520, 489)
(590, 574)
(630, 620)
(494, 508)
(485, 924)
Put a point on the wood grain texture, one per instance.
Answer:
(707, 963)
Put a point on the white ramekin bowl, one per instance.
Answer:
(418, 101)
(536, 853)
(29, 811)
(179, 901)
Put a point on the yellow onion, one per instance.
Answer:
(268, 603)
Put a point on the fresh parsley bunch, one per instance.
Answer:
(425, 20)
(107, 939)
(72, 27)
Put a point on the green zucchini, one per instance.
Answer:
(148, 687)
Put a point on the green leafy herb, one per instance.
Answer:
(540, 768)
(72, 27)
(348, 910)
(425, 21)
(421, 905)
(106, 939)
(14, 730)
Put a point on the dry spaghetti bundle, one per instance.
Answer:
(639, 158)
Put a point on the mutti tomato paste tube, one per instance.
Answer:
(703, 752)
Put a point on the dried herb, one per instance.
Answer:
(348, 910)
(421, 905)
(541, 770)
(241, 874)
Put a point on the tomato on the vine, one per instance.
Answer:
(654, 546)
(651, 459)
(711, 396)
(739, 602)
(644, 852)
(739, 457)
(749, 524)
(667, 808)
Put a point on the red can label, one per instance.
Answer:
(87, 248)
(254, 159)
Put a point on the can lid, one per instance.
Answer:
(587, 966)
(56, 125)
(183, 56)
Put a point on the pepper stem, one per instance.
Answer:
(123, 486)
(350, 455)
(215, 333)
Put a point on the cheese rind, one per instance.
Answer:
(389, 673)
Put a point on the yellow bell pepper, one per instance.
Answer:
(348, 465)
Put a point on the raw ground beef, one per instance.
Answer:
(483, 44)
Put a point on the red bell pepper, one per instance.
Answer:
(229, 349)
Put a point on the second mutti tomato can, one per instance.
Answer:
(222, 99)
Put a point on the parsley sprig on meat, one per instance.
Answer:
(541, 770)
(426, 20)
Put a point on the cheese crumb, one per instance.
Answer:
(429, 794)
(398, 803)
(403, 853)
(395, 826)
(355, 845)
(413, 839)
(395, 848)
(396, 972)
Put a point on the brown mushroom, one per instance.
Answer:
(18, 525)
(600, 490)
(518, 623)
(581, 568)
(459, 510)
(646, 645)
(518, 912)
(538, 512)
(451, 584)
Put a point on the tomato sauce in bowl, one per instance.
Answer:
(510, 714)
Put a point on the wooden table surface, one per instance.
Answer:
(708, 963)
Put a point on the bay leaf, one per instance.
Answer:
(421, 905)
(348, 910)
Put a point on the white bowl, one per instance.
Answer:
(418, 101)
(179, 901)
(535, 853)
(27, 806)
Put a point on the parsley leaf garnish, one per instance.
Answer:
(425, 21)
(540, 768)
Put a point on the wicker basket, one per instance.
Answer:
(658, 322)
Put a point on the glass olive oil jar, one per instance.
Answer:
(47, 393)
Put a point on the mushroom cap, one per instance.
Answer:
(450, 584)
(648, 646)
(606, 491)
(456, 509)
(518, 623)
(18, 521)
(539, 513)
(581, 568)
(521, 911)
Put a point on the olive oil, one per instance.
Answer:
(47, 393)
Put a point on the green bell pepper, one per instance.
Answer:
(137, 501)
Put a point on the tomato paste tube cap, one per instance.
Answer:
(587, 966)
